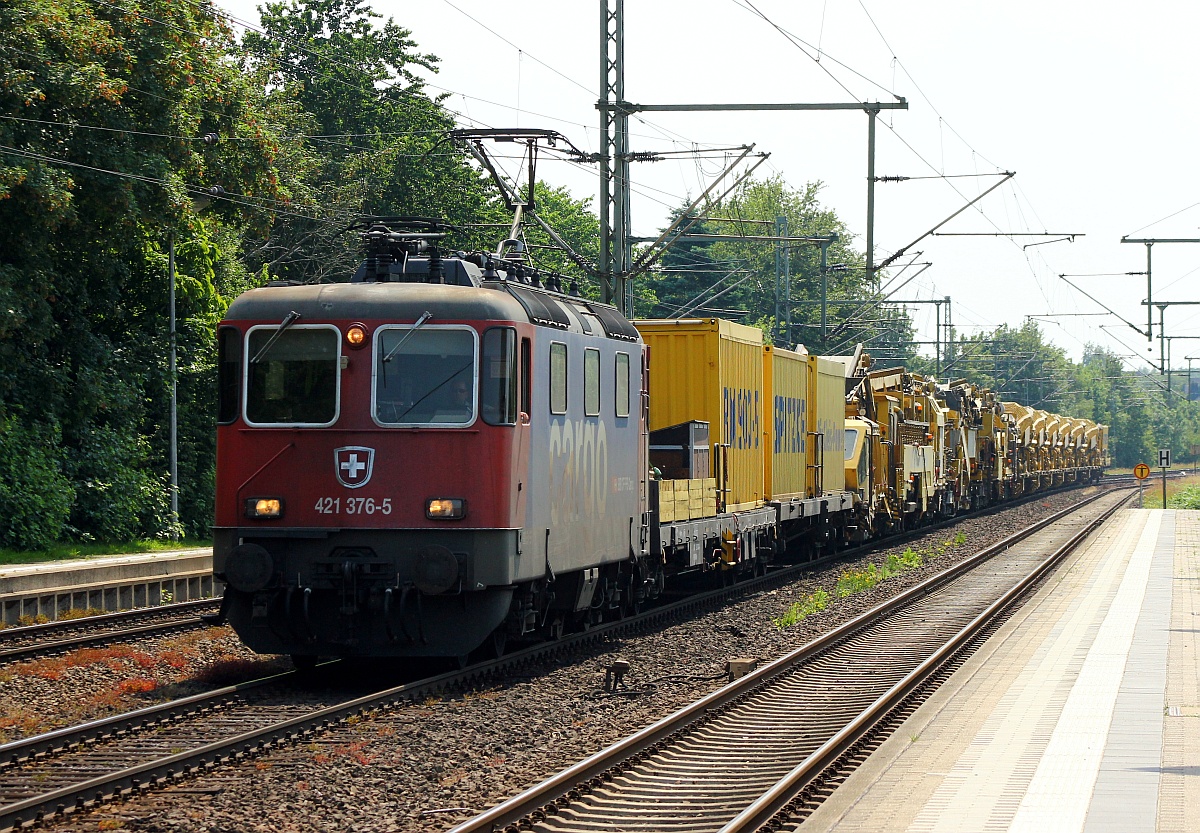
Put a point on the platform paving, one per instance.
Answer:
(1081, 713)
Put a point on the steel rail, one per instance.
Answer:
(172, 768)
(48, 744)
(1129, 478)
(21, 631)
(777, 799)
(536, 802)
(58, 646)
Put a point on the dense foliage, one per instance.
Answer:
(751, 281)
(88, 89)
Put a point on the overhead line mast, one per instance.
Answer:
(616, 253)
(615, 248)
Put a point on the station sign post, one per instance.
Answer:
(1164, 463)
(1141, 471)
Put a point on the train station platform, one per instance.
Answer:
(1081, 713)
(116, 582)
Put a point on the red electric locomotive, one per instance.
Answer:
(439, 453)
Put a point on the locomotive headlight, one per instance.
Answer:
(356, 336)
(264, 507)
(446, 508)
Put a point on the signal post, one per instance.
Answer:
(1164, 463)
(1141, 471)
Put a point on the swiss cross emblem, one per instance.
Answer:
(353, 465)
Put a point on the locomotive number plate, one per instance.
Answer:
(353, 506)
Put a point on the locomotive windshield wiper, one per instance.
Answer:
(425, 316)
(470, 363)
(288, 320)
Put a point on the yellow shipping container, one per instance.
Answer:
(710, 369)
(786, 382)
(827, 417)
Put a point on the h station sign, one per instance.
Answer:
(1164, 463)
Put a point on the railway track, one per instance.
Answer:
(23, 643)
(1155, 477)
(767, 748)
(81, 767)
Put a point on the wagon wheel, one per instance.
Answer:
(633, 598)
(494, 645)
(497, 642)
(630, 604)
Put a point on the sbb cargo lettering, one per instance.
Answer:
(741, 417)
(791, 425)
(833, 437)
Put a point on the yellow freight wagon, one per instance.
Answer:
(786, 386)
(712, 370)
(827, 426)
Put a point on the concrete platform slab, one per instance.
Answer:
(1082, 713)
(115, 582)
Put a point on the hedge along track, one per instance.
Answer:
(18, 644)
(728, 762)
(82, 767)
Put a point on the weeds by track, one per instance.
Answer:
(18, 644)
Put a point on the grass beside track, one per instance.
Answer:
(1182, 492)
(72, 552)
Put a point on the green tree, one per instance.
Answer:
(377, 141)
(104, 109)
(737, 279)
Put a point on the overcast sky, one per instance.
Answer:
(1092, 104)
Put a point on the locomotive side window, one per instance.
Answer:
(621, 400)
(526, 377)
(424, 376)
(558, 377)
(498, 381)
(591, 382)
(292, 375)
(229, 374)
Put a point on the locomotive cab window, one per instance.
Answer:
(229, 374)
(851, 441)
(292, 375)
(558, 377)
(621, 400)
(498, 380)
(425, 377)
(591, 382)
